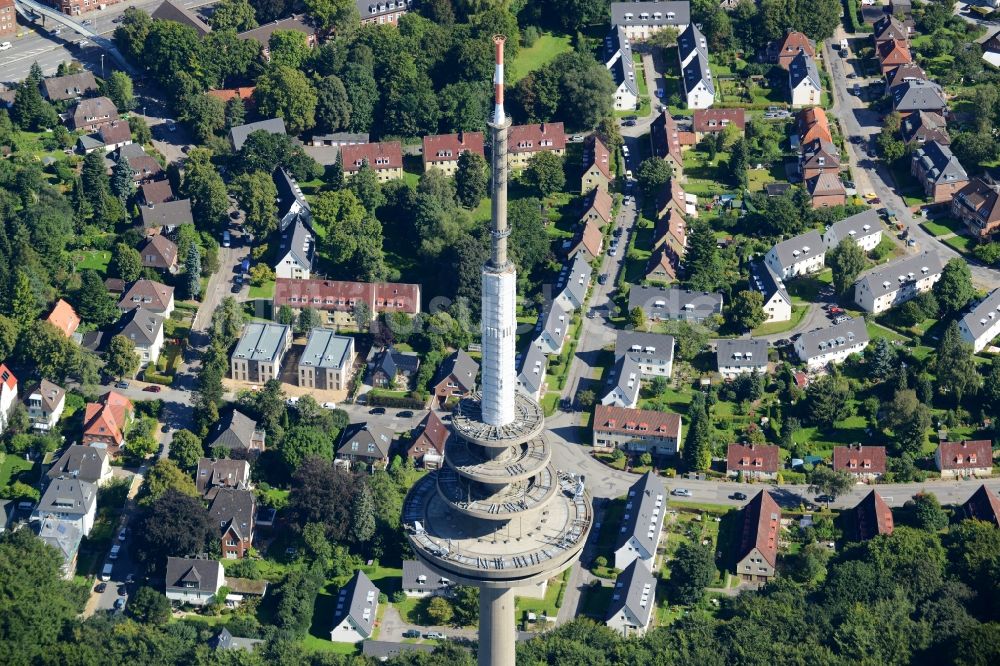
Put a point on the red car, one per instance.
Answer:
(153, 389)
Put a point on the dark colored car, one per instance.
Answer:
(377, 410)
(738, 496)
(824, 498)
(121, 385)
(101, 587)
(122, 591)
(629, 123)
(411, 633)
(153, 389)
(602, 278)
(405, 414)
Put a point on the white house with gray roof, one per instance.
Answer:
(659, 303)
(69, 499)
(643, 19)
(893, 284)
(419, 581)
(531, 378)
(145, 330)
(86, 463)
(741, 357)
(554, 327)
(642, 522)
(618, 60)
(777, 302)
(574, 282)
(803, 81)
(801, 255)
(292, 203)
(981, 324)
(696, 77)
(624, 391)
(296, 251)
(258, 355)
(833, 344)
(357, 605)
(865, 229)
(654, 352)
(193, 581)
(632, 601)
(326, 361)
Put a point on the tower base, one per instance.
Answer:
(496, 626)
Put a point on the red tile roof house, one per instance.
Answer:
(159, 252)
(756, 461)
(636, 430)
(983, 505)
(443, 150)
(783, 51)
(709, 121)
(813, 124)
(523, 141)
(64, 317)
(872, 517)
(892, 54)
(90, 114)
(663, 265)
(665, 140)
(965, 459)
(428, 448)
(596, 165)
(104, 422)
(757, 543)
(339, 299)
(598, 205)
(865, 462)
(385, 158)
(826, 190)
(589, 241)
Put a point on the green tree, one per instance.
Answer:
(697, 450)
(637, 318)
(333, 106)
(287, 48)
(122, 185)
(235, 112)
(691, 570)
(173, 525)
(118, 88)
(909, 419)
(8, 336)
(704, 266)
(882, 359)
(257, 194)
(186, 449)
(827, 481)
(31, 112)
(286, 93)
(203, 185)
(48, 351)
(465, 604)
(126, 262)
(545, 173)
(738, 166)
(166, 477)
(746, 311)
(365, 186)
(363, 515)
(340, 16)
(439, 610)
(207, 115)
(652, 175)
(237, 15)
(192, 268)
(149, 606)
(121, 359)
(847, 261)
(828, 400)
(471, 179)
(954, 290)
(24, 306)
(927, 512)
(303, 441)
(955, 366)
(141, 134)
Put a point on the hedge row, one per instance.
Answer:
(397, 402)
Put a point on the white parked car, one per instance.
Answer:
(291, 402)
(681, 492)
(329, 405)
(5, 45)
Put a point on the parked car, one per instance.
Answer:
(329, 405)
(681, 492)
(122, 385)
(824, 498)
(631, 118)
(629, 123)
(291, 402)
(411, 633)
(100, 587)
(123, 534)
(405, 414)
(618, 231)
(575, 138)
(602, 278)
(613, 251)
(153, 389)
(841, 319)
(738, 496)
(437, 635)
(120, 604)
(122, 591)
(377, 410)
(5, 45)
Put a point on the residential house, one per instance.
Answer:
(991, 47)
(8, 18)
(531, 378)
(642, 522)
(636, 430)
(672, 196)
(777, 302)
(654, 352)
(757, 543)
(85, 463)
(295, 251)
(755, 461)
(381, 12)
(420, 581)
(159, 252)
(326, 361)
(71, 500)
(8, 394)
(895, 283)
(193, 581)
(643, 19)
(904, 74)
(890, 29)
(105, 422)
(442, 151)
(167, 215)
(633, 600)
(696, 77)
(625, 389)
(659, 303)
(170, 11)
(588, 242)
(110, 137)
(893, 53)
(144, 168)
(389, 368)
(357, 606)
(234, 510)
(90, 114)
(152, 296)
(64, 317)
(939, 171)
(804, 84)
(262, 34)
(924, 126)
(45, 405)
(784, 51)
(244, 93)
(340, 301)
(796, 256)
(871, 517)
(826, 190)
(71, 86)
(866, 463)
(258, 355)
(978, 206)
(813, 124)
(214, 474)
(366, 444)
(145, 330)
(238, 135)
(964, 459)
(983, 505)
(663, 265)
(981, 324)
(338, 139)
(555, 324)
(618, 59)
(741, 357)
(596, 165)
(833, 344)
(63, 535)
(819, 156)
(713, 121)
(385, 158)
(864, 228)
(524, 141)
(292, 204)
(597, 205)
(665, 141)
(918, 95)
(670, 230)
(237, 433)
(427, 449)
(456, 377)
(574, 281)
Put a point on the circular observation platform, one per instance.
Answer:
(496, 503)
(523, 462)
(524, 551)
(467, 422)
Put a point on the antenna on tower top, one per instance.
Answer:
(498, 114)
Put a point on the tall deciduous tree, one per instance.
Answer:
(340, 16)
(48, 351)
(698, 445)
(471, 179)
(653, 174)
(691, 570)
(847, 261)
(126, 262)
(333, 106)
(203, 185)
(909, 419)
(24, 306)
(955, 366)
(827, 481)
(286, 93)
(121, 359)
(256, 195)
(118, 88)
(174, 525)
(238, 15)
(828, 400)
(545, 173)
(186, 448)
(954, 290)
(746, 311)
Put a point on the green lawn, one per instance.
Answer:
(265, 291)
(537, 56)
(963, 244)
(546, 606)
(798, 312)
(906, 183)
(92, 260)
(942, 226)
(704, 175)
(12, 467)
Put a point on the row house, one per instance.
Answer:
(756, 553)
(621, 65)
(341, 302)
(596, 165)
(753, 461)
(525, 141)
(866, 463)
(864, 228)
(832, 344)
(801, 255)
(965, 459)
(636, 430)
(385, 159)
(641, 20)
(442, 151)
(938, 171)
(978, 206)
(895, 283)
